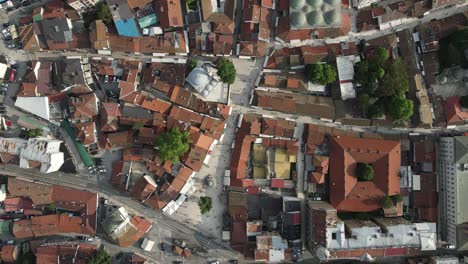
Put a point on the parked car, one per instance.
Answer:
(111, 93)
(103, 170)
(111, 78)
(5, 25)
(116, 80)
(4, 85)
(106, 78)
(11, 46)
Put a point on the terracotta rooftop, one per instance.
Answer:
(9, 253)
(349, 194)
(79, 254)
(39, 193)
(118, 139)
(86, 132)
(85, 107)
(169, 13)
(157, 105)
(454, 112)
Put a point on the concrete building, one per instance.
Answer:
(453, 179)
(82, 6)
(37, 152)
(329, 237)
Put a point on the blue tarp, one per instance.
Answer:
(127, 28)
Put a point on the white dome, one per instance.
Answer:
(198, 79)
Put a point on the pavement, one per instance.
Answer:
(193, 234)
(201, 230)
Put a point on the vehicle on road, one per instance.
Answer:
(5, 25)
(106, 78)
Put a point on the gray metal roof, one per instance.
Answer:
(307, 14)
(56, 29)
(461, 150)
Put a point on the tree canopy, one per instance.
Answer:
(172, 144)
(376, 110)
(395, 79)
(320, 73)
(386, 202)
(192, 4)
(104, 13)
(205, 204)
(226, 70)
(364, 172)
(101, 257)
(137, 126)
(397, 198)
(32, 133)
(381, 55)
(400, 108)
(464, 101)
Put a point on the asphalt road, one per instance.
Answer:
(216, 248)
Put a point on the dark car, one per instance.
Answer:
(5, 25)
(8, 38)
(111, 93)
(25, 3)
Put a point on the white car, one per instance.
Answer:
(106, 78)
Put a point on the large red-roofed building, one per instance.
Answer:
(347, 193)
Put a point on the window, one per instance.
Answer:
(334, 236)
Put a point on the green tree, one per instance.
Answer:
(364, 103)
(32, 133)
(52, 207)
(320, 73)
(226, 70)
(101, 257)
(376, 110)
(192, 4)
(205, 203)
(397, 198)
(399, 108)
(395, 80)
(464, 101)
(386, 202)
(172, 144)
(380, 73)
(137, 126)
(361, 71)
(381, 55)
(193, 63)
(364, 172)
(104, 13)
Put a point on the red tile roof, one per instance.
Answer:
(86, 132)
(9, 253)
(349, 194)
(157, 105)
(85, 107)
(453, 111)
(79, 254)
(169, 13)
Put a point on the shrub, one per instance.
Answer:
(386, 202)
(397, 198)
